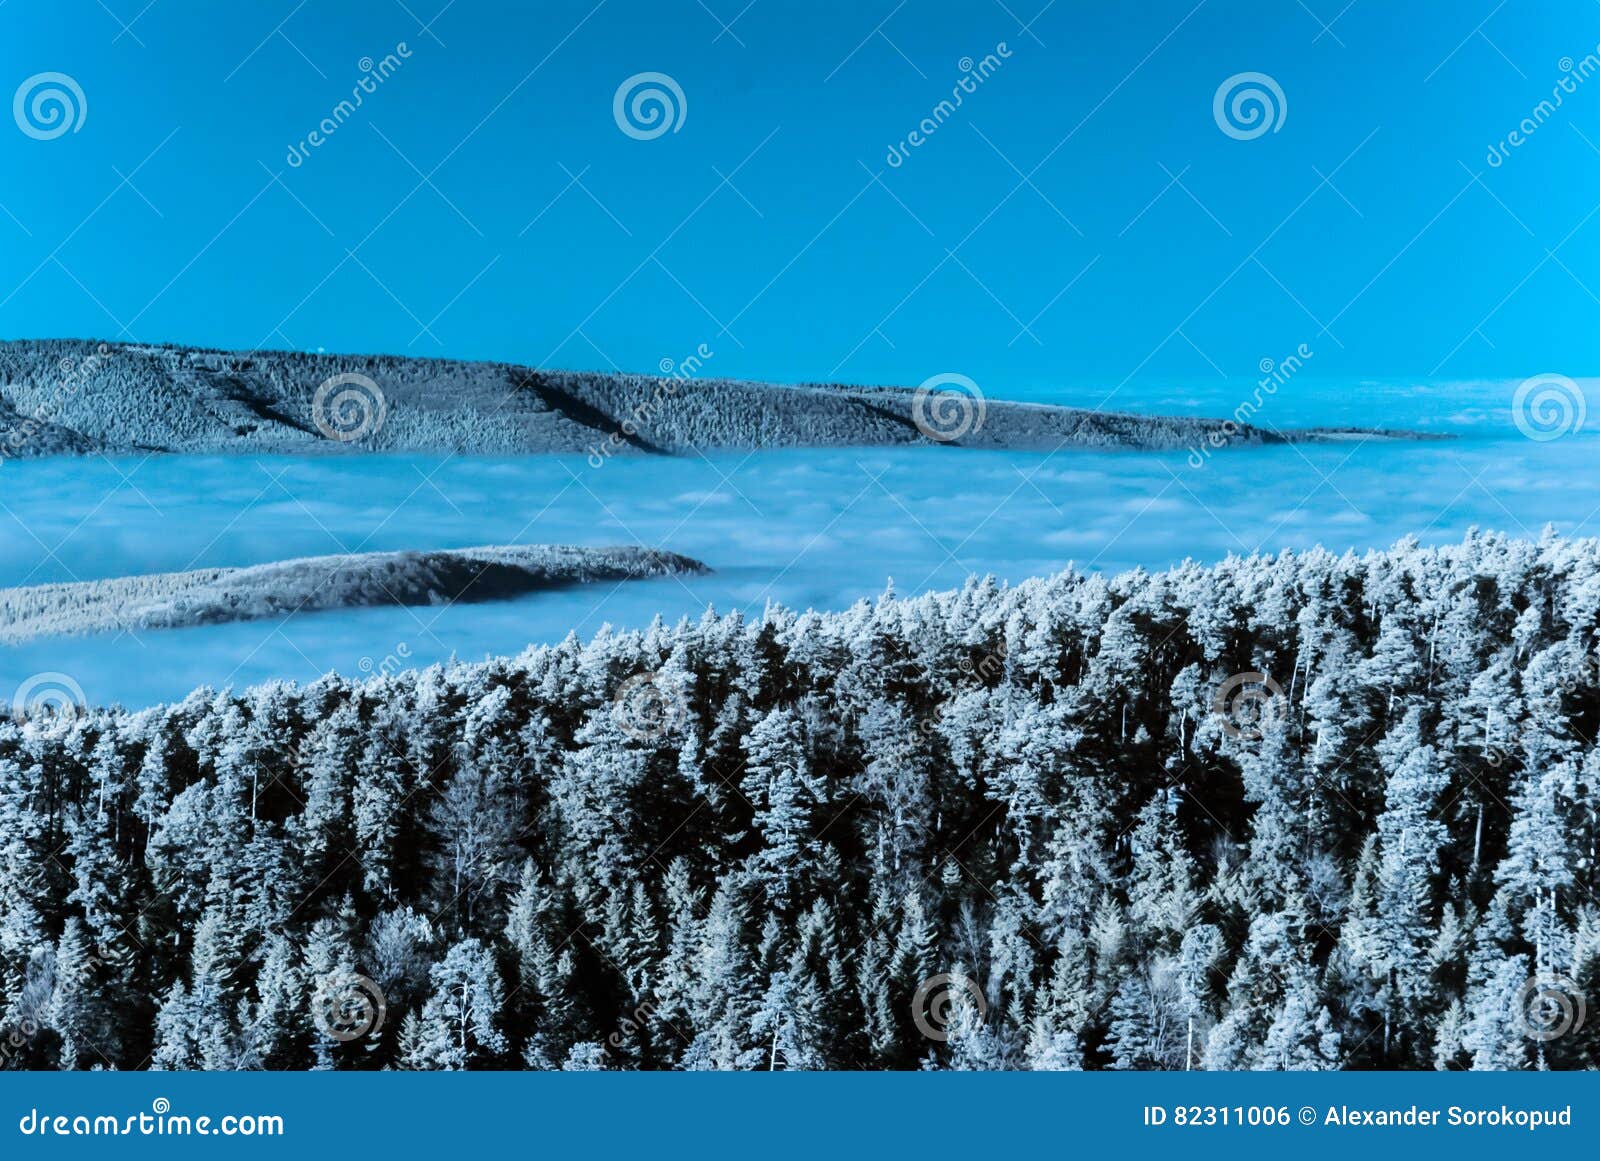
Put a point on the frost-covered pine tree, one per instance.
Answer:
(459, 1024)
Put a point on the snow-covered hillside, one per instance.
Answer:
(211, 596)
(63, 396)
(1304, 811)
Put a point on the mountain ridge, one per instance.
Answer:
(173, 600)
(75, 397)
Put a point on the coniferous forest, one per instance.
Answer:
(1295, 812)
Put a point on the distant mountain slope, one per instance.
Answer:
(209, 596)
(71, 397)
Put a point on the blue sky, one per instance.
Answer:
(1080, 219)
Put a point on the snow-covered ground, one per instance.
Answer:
(806, 528)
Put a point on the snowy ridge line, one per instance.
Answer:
(70, 397)
(214, 595)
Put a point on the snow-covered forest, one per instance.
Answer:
(1305, 811)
